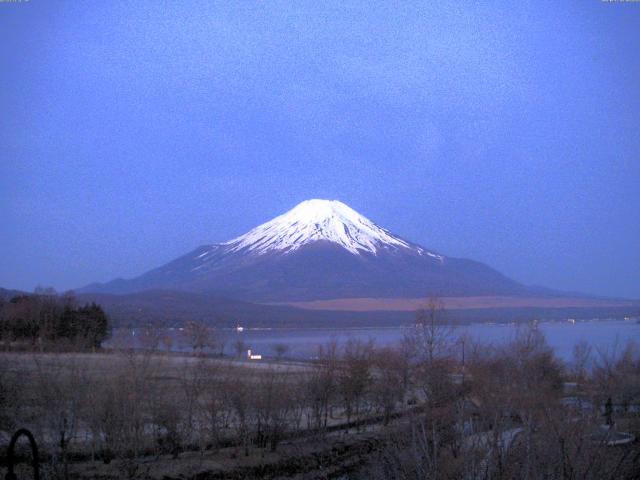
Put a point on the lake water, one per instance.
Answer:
(605, 335)
(561, 336)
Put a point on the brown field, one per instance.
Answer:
(456, 303)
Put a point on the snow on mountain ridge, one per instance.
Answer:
(314, 220)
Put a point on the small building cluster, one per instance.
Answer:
(251, 356)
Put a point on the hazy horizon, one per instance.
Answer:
(507, 134)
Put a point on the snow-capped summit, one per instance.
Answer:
(316, 220)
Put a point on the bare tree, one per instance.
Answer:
(354, 377)
(193, 379)
(433, 332)
(240, 348)
(241, 400)
(61, 385)
(280, 349)
(148, 337)
(216, 404)
(389, 384)
(581, 357)
(321, 385)
(274, 403)
(12, 385)
(166, 341)
(198, 336)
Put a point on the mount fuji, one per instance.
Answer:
(320, 249)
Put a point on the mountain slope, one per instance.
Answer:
(318, 250)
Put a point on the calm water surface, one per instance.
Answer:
(605, 335)
(562, 336)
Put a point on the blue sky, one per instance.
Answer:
(506, 132)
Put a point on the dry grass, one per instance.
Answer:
(456, 303)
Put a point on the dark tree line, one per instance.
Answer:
(45, 319)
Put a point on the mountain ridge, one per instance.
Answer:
(320, 249)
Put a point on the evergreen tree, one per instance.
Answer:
(51, 319)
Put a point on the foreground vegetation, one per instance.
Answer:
(434, 407)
